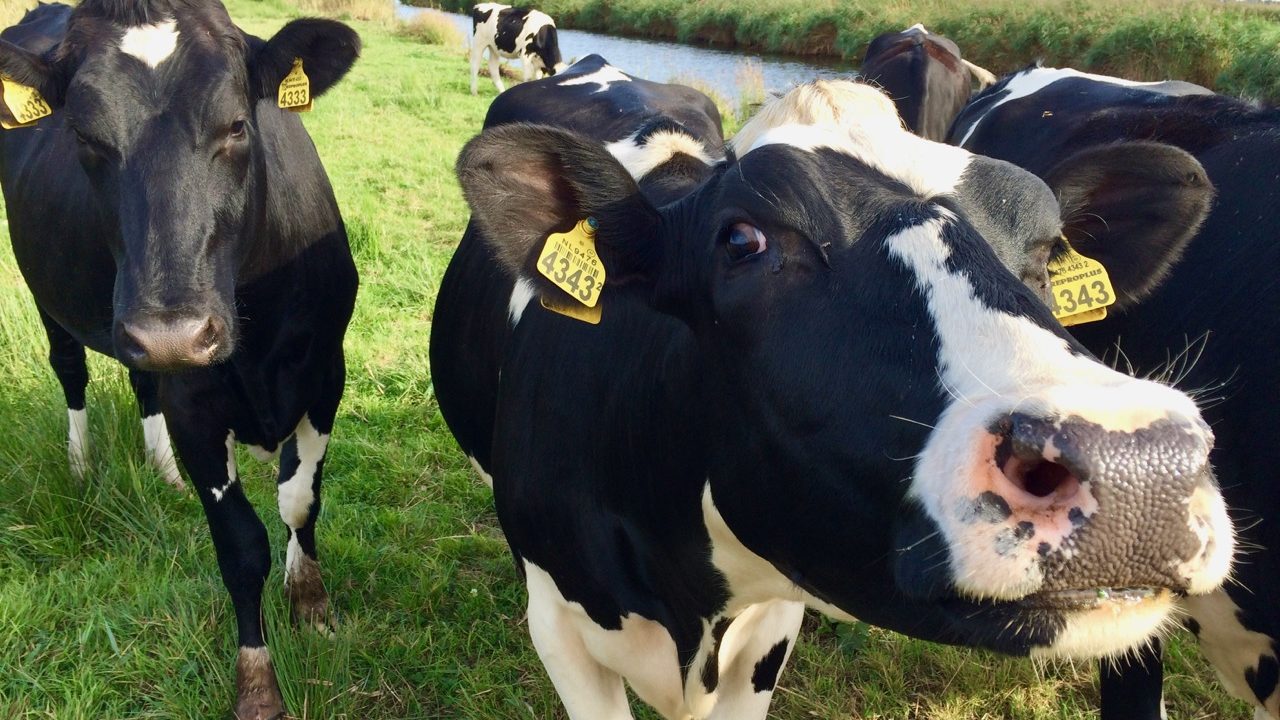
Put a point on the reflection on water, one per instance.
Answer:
(664, 61)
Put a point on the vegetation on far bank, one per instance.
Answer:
(1231, 47)
(110, 601)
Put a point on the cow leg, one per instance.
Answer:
(66, 357)
(207, 450)
(526, 68)
(476, 50)
(494, 71)
(748, 659)
(155, 432)
(1132, 686)
(298, 492)
(589, 690)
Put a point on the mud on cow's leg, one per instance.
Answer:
(207, 449)
(155, 431)
(66, 357)
(301, 473)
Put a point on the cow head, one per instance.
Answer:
(900, 429)
(165, 104)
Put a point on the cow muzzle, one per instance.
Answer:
(170, 344)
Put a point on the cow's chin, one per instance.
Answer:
(1076, 624)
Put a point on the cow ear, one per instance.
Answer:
(326, 48)
(1133, 207)
(524, 182)
(27, 68)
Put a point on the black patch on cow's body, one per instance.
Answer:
(479, 17)
(511, 22)
(1263, 677)
(1192, 626)
(711, 667)
(765, 675)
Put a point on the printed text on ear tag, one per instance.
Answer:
(295, 89)
(22, 105)
(570, 261)
(1080, 287)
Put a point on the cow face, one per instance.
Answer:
(898, 423)
(164, 107)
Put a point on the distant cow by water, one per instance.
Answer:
(517, 33)
(170, 214)
(926, 77)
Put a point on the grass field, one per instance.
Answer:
(1228, 46)
(110, 602)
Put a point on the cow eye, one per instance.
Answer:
(745, 240)
(237, 130)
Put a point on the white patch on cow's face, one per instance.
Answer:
(152, 44)
(78, 441)
(297, 494)
(1037, 375)
(603, 77)
(1029, 82)
(1208, 512)
(218, 493)
(155, 433)
(587, 662)
(1231, 647)
(521, 295)
(1108, 630)
(658, 148)
(484, 476)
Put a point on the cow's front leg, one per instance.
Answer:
(155, 432)
(737, 675)
(207, 449)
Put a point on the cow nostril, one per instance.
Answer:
(1045, 478)
(208, 336)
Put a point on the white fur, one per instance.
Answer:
(750, 636)
(297, 494)
(1231, 648)
(603, 77)
(1034, 80)
(522, 294)
(155, 433)
(78, 441)
(484, 476)
(640, 160)
(232, 476)
(262, 454)
(485, 39)
(152, 44)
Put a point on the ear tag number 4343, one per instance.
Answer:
(569, 260)
(295, 89)
(1081, 288)
(22, 105)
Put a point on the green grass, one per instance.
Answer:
(110, 602)
(1226, 46)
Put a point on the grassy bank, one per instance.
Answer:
(110, 603)
(1230, 47)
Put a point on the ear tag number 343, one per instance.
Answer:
(1081, 288)
(569, 260)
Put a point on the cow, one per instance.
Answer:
(1203, 324)
(517, 33)
(811, 383)
(926, 77)
(170, 215)
(666, 135)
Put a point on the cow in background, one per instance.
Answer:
(926, 77)
(1207, 320)
(169, 214)
(515, 33)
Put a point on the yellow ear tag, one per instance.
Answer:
(570, 261)
(22, 105)
(295, 90)
(1081, 288)
(589, 315)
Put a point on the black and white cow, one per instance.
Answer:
(1207, 324)
(813, 383)
(667, 136)
(517, 33)
(169, 214)
(926, 77)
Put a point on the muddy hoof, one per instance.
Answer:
(257, 693)
(308, 601)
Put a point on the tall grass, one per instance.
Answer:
(431, 27)
(374, 10)
(1227, 46)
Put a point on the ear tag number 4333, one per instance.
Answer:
(1081, 288)
(295, 89)
(22, 105)
(569, 260)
